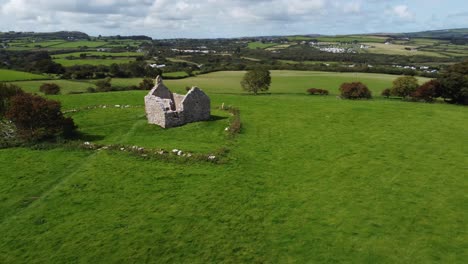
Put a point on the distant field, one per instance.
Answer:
(395, 49)
(175, 74)
(352, 38)
(107, 62)
(65, 85)
(10, 75)
(77, 44)
(42, 44)
(181, 60)
(307, 62)
(299, 38)
(260, 45)
(279, 47)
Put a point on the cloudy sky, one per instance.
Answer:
(231, 18)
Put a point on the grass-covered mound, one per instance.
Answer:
(309, 179)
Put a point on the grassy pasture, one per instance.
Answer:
(10, 75)
(373, 39)
(309, 179)
(65, 85)
(260, 45)
(175, 74)
(42, 44)
(81, 43)
(395, 49)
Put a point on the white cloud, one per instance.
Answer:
(403, 12)
(352, 7)
(221, 18)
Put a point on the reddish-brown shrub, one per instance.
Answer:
(428, 91)
(37, 118)
(355, 90)
(386, 93)
(50, 88)
(313, 91)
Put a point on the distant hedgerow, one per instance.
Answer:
(355, 90)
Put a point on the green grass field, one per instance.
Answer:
(10, 75)
(77, 44)
(65, 85)
(394, 49)
(374, 39)
(260, 45)
(175, 74)
(309, 179)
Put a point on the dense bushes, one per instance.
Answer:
(404, 86)
(37, 118)
(50, 88)
(454, 83)
(104, 85)
(427, 92)
(317, 91)
(146, 84)
(355, 90)
(6, 92)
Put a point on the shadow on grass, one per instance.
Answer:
(216, 118)
(89, 137)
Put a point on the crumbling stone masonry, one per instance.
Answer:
(168, 109)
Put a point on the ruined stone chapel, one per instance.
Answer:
(168, 109)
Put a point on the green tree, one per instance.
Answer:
(104, 85)
(404, 86)
(146, 84)
(256, 80)
(454, 83)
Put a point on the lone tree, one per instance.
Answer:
(37, 118)
(256, 80)
(454, 83)
(404, 86)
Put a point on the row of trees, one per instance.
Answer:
(452, 86)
